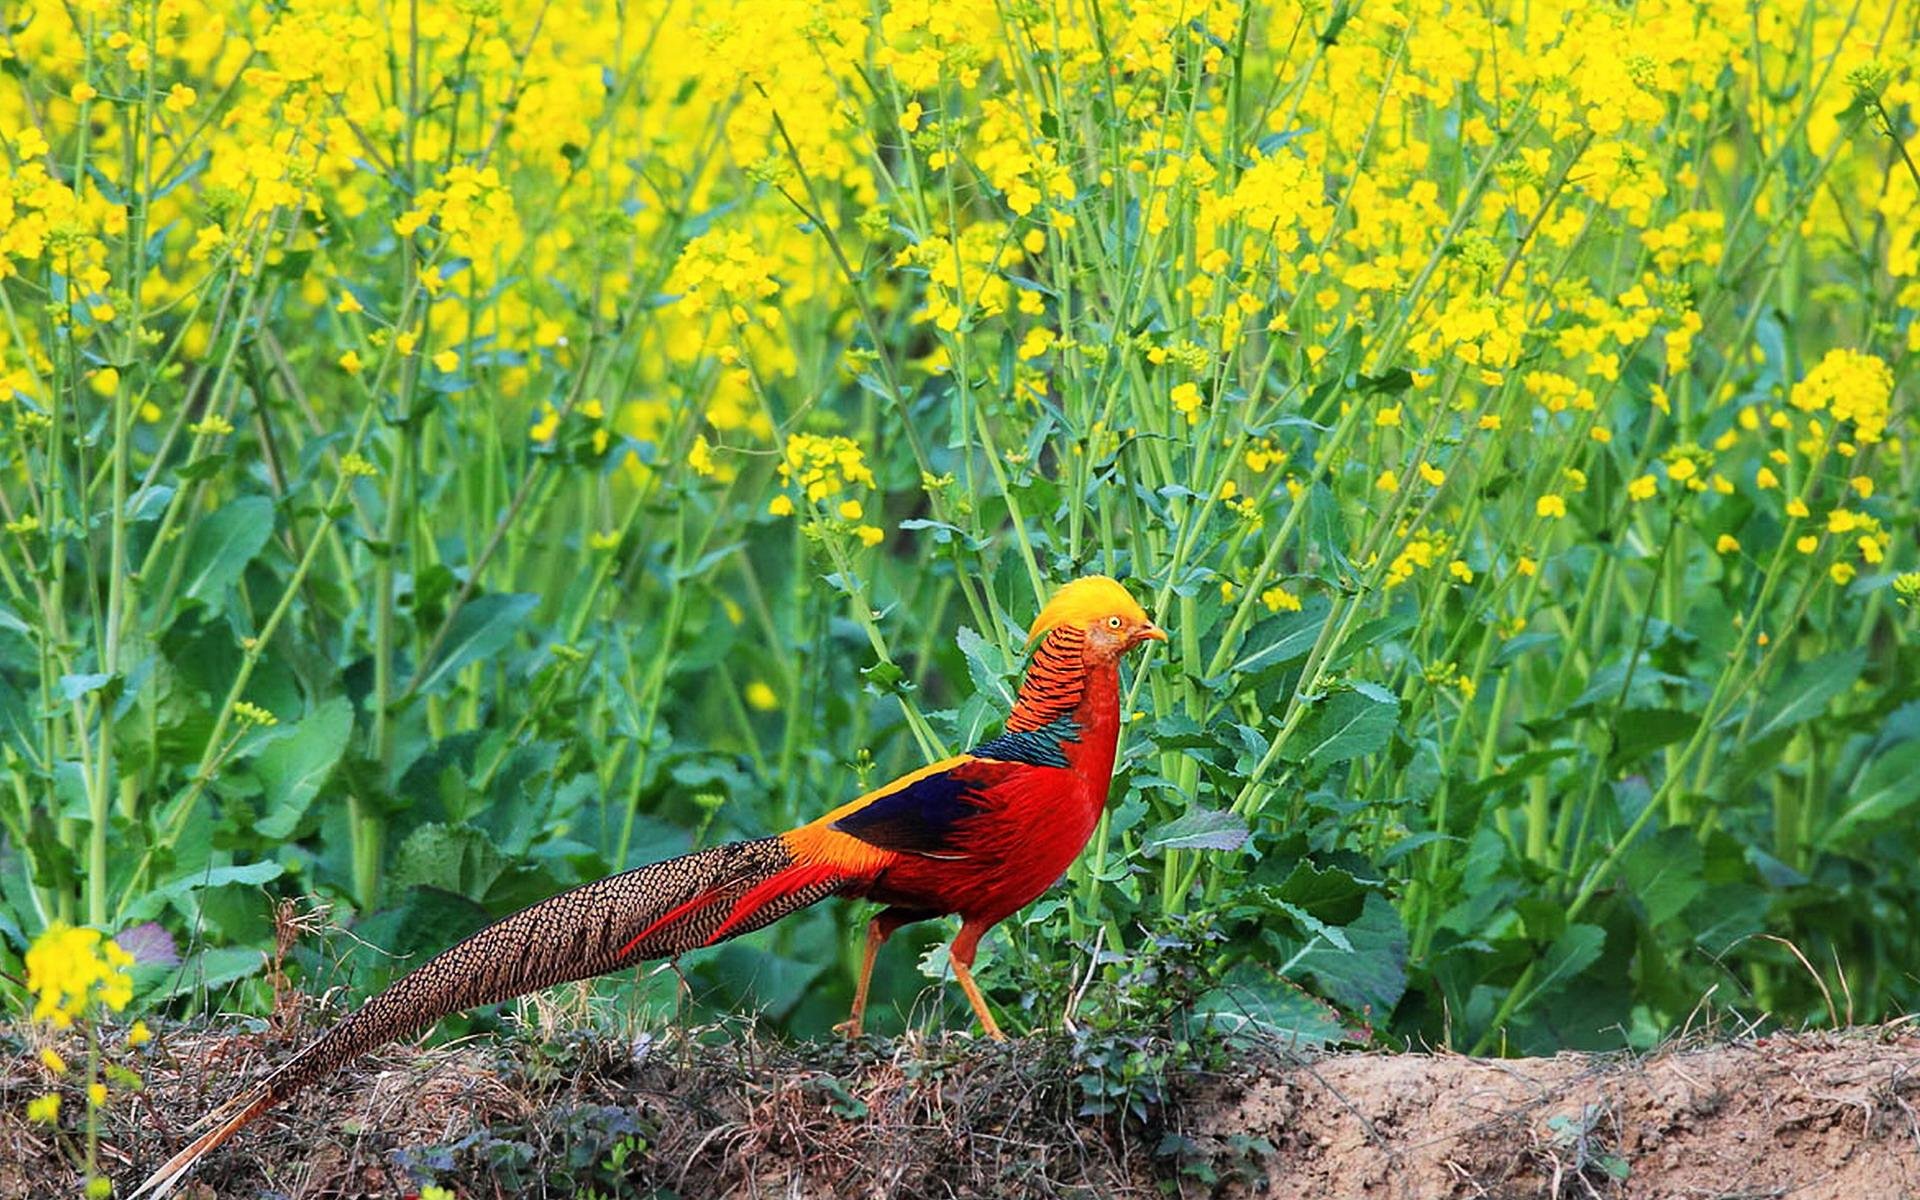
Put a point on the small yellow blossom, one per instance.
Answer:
(760, 696)
(1432, 474)
(350, 362)
(1550, 506)
(700, 457)
(51, 1060)
(1807, 544)
(851, 510)
(1727, 544)
(1842, 573)
(1797, 508)
(44, 1110)
(446, 362)
(1279, 599)
(780, 506)
(1459, 569)
(870, 535)
(1187, 400)
(1642, 487)
(1765, 478)
(180, 98)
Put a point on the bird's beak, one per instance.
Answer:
(1153, 633)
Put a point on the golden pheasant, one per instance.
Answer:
(980, 835)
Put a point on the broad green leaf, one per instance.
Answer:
(458, 859)
(482, 627)
(1283, 638)
(1252, 1001)
(1888, 789)
(1666, 871)
(986, 666)
(1370, 975)
(293, 769)
(72, 687)
(1576, 949)
(209, 969)
(1346, 725)
(1808, 689)
(1638, 732)
(10, 620)
(1198, 829)
(223, 544)
(152, 903)
(1329, 893)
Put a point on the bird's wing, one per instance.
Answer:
(923, 812)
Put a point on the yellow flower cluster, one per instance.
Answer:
(828, 471)
(1852, 387)
(70, 968)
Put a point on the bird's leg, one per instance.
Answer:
(878, 931)
(960, 954)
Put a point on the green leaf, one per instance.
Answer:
(453, 858)
(1370, 974)
(1330, 894)
(1283, 638)
(481, 628)
(986, 665)
(1809, 688)
(293, 769)
(1346, 725)
(1576, 949)
(1666, 871)
(208, 970)
(180, 886)
(1199, 829)
(1638, 732)
(1250, 1001)
(223, 544)
(72, 687)
(1888, 789)
(10, 620)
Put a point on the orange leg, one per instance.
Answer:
(961, 956)
(878, 931)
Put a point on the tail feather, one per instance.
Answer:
(655, 911)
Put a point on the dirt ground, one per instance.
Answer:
(726, 1113)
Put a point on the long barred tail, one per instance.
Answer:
(655, 911)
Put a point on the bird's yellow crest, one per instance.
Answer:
(1085, 601)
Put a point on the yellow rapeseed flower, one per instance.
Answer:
(1279, 599)
(759, 695)
(69, 967)
(1550, 506)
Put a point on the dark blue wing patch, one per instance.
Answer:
(1042, 747)
(921, 818)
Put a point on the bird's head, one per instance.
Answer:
(1112, 621)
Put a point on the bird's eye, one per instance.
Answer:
(1113, 622)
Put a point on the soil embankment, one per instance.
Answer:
(1810, 1116)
